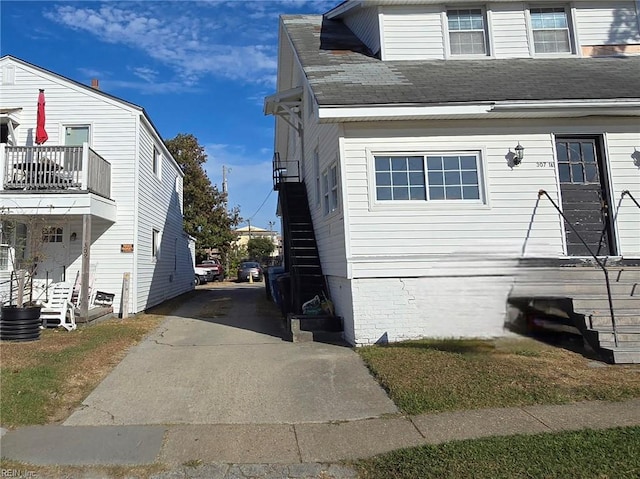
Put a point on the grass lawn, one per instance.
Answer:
(444, 375)
(612, 453)
(43, 381)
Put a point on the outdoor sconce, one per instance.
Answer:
(73, 236)
(519, 154)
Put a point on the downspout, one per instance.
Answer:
(136, 211)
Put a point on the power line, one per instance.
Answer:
(260, 207)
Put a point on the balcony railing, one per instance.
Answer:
(54, 169)
(285, 171)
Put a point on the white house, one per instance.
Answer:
(423, 132)
(103, 191)
(245, 233)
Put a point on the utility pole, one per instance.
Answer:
(224, 182)
(249, 223)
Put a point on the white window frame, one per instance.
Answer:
(330, 189)
(77, 126)
(53, 234)
(478, 152)
(316, 173)
(334, 196)
(156, 162)
(6, 257)
(156, 239)
(486, 33)
(571, 30)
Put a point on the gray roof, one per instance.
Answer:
(342, 71)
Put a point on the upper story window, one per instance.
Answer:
(157, 162)
(450, 176)
(467, 32)
(550, 30)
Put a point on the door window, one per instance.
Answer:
(577, 162)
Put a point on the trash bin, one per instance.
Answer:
(284, 293)
(272, 279)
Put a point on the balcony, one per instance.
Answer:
(54, 169)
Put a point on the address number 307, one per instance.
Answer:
(546, 164)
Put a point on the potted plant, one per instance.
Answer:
(19, 314)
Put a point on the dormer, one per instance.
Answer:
(473, 29)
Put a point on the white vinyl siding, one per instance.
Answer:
(505, 225)
(158, 211)
(364, 23)
(613, 22)
(620, 144)
(509, 31)
(412, 33)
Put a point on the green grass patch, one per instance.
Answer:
(444, 375)
(41, 381)
(612, 453)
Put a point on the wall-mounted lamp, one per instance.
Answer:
(73, 236)
(519, 154)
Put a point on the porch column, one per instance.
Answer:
(86, 257)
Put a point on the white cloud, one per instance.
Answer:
(147, 74)
(186, 40)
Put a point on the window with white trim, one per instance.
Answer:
(428, 177)
(5, 252)
(157, 162)
(467, 32)
(330, 196)
(52, 234)
(550, 30)
(316, 172)
(155, 244)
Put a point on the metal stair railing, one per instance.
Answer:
(598, 262)
(615, 215)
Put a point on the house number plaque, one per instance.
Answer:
(126, 248)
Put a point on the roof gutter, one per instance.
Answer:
(553, 108)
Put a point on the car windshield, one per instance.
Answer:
(249, 265)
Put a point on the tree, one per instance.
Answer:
(206, 216)
(260, 247)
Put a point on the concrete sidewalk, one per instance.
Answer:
(291, 450)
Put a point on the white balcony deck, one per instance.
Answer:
(55, 180)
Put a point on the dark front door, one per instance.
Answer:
(585, 196)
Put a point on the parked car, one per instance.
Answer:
(215, 267)
(202, 275)
(249, 269)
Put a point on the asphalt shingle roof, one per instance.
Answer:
(342, 71)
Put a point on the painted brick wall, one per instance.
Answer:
(397, 309)
(340, 291)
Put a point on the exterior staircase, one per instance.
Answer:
(302, 262)
(574, 296)
(300, 249)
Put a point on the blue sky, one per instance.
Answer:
(202, 68)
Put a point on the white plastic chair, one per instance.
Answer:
(59, 308)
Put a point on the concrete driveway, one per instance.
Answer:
(232, 369)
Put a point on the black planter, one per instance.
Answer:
(20, 324)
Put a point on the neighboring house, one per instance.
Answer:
(245, 233)
(103, 191)
(403, 121)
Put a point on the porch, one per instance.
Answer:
(54, 169)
